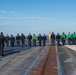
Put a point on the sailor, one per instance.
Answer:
(74, 38)
(7, 40)
(2, 39)
(12, 40)
(58, 37)
(49, 37)
(63, 38)
(53, 38)
(18, 40)
(39, 39)
(34, 39)
(44, 40)
(23, 38)
(29, 39)
(69, 36)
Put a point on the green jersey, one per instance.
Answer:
(69, 36)
(63, 36)
(34, 37)
(74, 35)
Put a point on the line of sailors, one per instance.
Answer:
(19, 39)
(22, 39)
(52, 38)
(62, 38)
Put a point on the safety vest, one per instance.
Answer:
(49, 36)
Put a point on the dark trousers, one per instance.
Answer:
(1, 49)
(18, 43)
(29, 42)
(34, 42)
(7, 43)
(23, 43)
(69, 41)
(63, 41)
(53, 42)
(12, 43)
(58, 42)
(39, 42)
(74, 41)
(44, 42)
